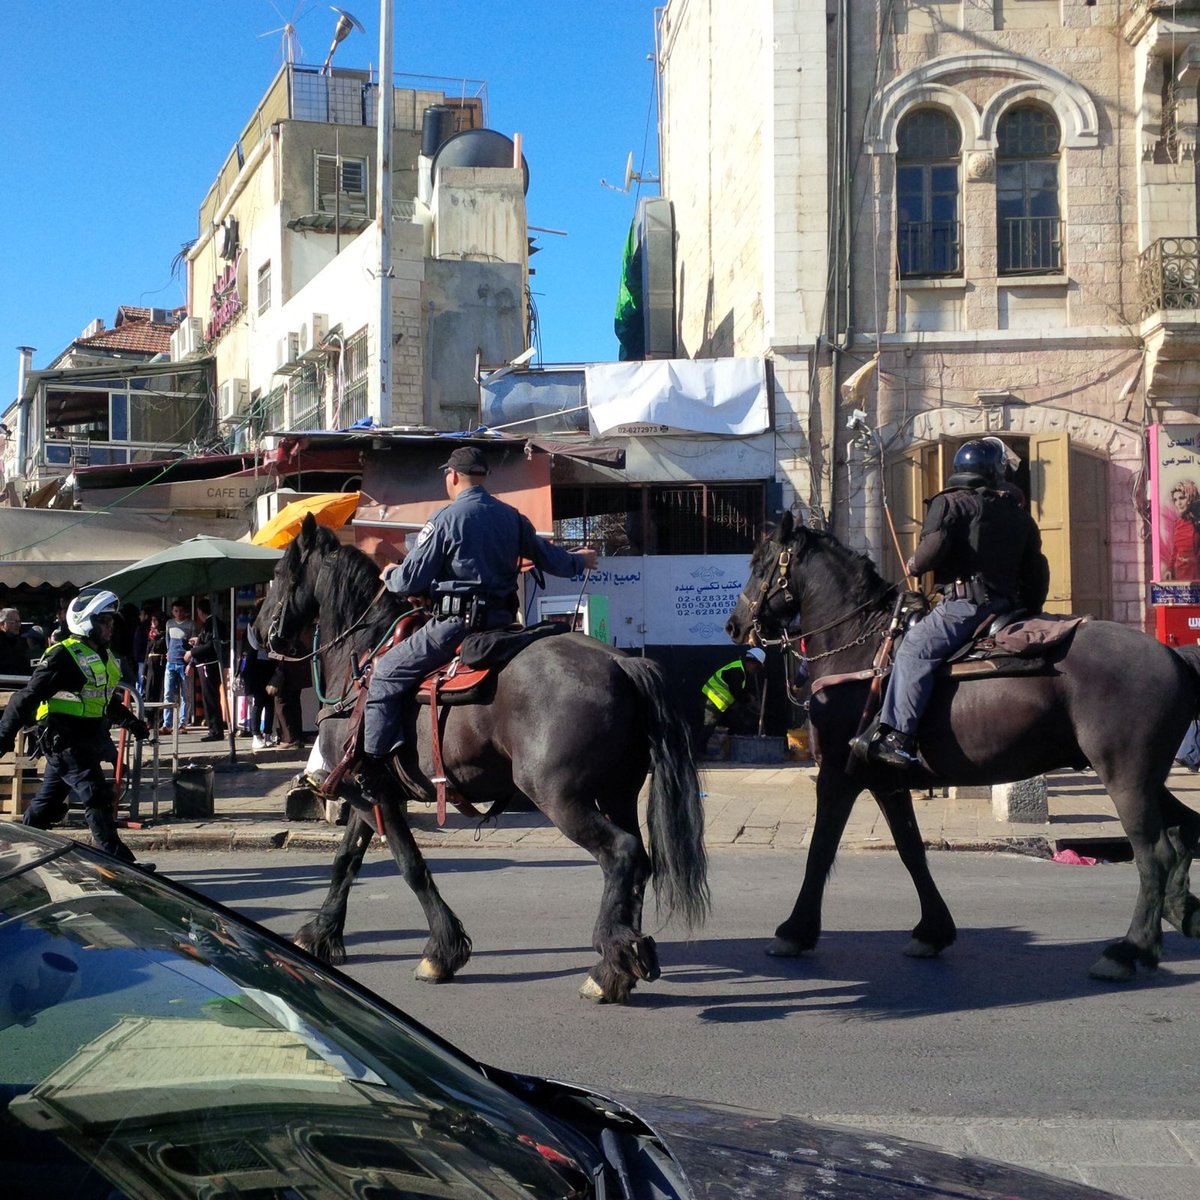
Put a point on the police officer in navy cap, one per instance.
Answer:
(466, 560)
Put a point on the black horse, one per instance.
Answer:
(573, 725)
(1115, 700)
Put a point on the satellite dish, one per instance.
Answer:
(631, 177)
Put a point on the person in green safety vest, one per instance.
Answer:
(72, 696)
(725, 690)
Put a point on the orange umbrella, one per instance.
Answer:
(332, 509)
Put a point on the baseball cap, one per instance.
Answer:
(466, 460)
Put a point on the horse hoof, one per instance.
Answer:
(1112, 970)
(591, 990)
(426, 972)
(645, 959)
(785, 948)
(918, 949)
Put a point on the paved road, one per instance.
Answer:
(1003, 1047)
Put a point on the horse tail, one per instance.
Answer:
(675, 816)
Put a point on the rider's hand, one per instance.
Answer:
(140, 730)
(588, 556)
(387, 570)
(7, 746)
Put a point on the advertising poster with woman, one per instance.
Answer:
(1175, 503)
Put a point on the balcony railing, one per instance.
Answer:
(1169, 275)
(929, 248)
(1030, 245)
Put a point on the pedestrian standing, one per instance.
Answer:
(205, 657)
(257, 668)
(179, 634)
(14, 650)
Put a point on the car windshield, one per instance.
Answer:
(176, 1050)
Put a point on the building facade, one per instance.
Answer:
(285, 278)
(957, 219)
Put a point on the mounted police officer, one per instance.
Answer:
(986, 555)
(72, 695)
(467, 561)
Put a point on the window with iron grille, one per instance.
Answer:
(341, 184)
(353, 406)
(1028, 214)
(928, 228)
(683, 518)
(307, 400)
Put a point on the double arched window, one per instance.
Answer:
(928, 221)
(1029, 227)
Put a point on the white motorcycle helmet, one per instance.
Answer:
(83, 608)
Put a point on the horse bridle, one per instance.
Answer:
(273, 629)
(779, 581)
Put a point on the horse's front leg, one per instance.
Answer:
(448, 947)
(323, 936)
(935, 930)
(836, 794)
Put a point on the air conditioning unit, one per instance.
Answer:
(186, 338)
(231, 399)
(311, 334)
(287, 354)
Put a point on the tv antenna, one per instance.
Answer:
(631, 177)
(289, 46)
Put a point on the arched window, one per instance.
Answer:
(1029, 223)
(928, 229)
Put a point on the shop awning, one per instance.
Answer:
(67, 548)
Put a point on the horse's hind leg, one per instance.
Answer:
(626, 954)
(935, 930)
(448, 947)
(323, 935)
(1139, 806)
(835, 798)
(1180, 908)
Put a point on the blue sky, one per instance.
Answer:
(119, 115)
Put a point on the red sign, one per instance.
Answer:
(225, 302)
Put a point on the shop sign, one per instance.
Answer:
(225, 302)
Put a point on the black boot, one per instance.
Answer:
(894, 749)
(375, 781)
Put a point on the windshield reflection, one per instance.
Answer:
(183, 1054)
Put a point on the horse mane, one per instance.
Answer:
(843, 573)
(351, 586)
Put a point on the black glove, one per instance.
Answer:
(7, 746)
(140, 730)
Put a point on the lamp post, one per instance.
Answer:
(383, 211)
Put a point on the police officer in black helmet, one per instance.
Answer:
(986, 555)
(466, 560)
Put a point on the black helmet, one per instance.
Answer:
(981, 456)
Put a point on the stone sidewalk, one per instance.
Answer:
(752, 807)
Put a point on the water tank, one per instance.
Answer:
(437, 124)
(478, 148)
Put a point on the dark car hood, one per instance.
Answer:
(726, 1151)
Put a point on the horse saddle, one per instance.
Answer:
(1013, 643)
(466, 679)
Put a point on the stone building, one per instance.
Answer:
(958, 219)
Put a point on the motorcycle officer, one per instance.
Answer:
(985, 552)
(72, 695)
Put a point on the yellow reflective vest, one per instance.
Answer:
(718, 692)
(101, 680)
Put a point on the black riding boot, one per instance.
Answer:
(375, 780)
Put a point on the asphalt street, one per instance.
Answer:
(1003, 1046)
